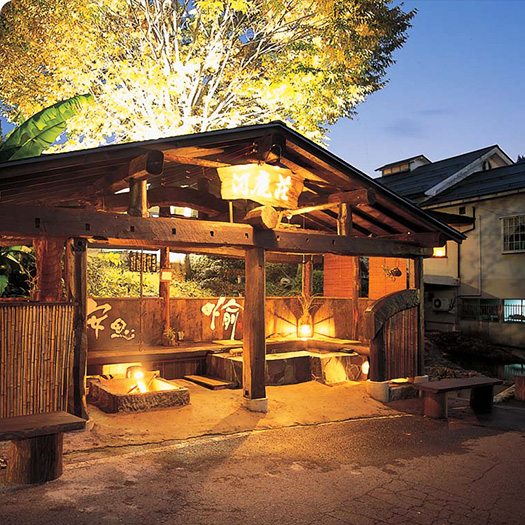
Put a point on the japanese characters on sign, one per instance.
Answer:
(230, 313)
(149, 262)
(97, 314)
(261, 183)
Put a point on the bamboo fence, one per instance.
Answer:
(36, 342)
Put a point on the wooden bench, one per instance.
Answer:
(435, 394)
(36, 450)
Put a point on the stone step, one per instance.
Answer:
(213, 383)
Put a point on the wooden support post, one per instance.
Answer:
(418, 278)
(164, 292)
(138, 198)
(344, 227)
(254, 340)
(344, 222)
(307, 276)
(203, 186)
(48, 254)
(76, 258)
(356, 289)
(35, 460)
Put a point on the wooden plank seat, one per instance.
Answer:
(435, 394)
(36, 450)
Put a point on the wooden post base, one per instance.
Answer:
(481, 399)
(35, 460)
(435, 405)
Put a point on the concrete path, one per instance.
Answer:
(392, 468)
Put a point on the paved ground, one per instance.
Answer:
(387, 469)
(220, 412)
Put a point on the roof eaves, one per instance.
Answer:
(333, 159)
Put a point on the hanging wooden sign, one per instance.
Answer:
(148, 260)
(263, 183)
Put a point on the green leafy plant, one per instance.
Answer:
(40, 131)
(17, 270)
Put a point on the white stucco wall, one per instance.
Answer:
(485, 272)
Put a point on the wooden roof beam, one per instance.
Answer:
(54, 222)
(430, 240)
(193, 161)
(141, 167)
(351, 198)
(171, 196)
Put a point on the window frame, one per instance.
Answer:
(521, 306)
(503, 220)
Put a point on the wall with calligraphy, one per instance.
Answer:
(127, 322)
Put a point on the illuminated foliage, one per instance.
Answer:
(168, 67)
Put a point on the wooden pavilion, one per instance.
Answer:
(313, 204)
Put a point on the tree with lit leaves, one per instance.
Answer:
(169, 67)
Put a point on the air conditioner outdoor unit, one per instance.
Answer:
(442, 304)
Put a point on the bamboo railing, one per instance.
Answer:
(393, 326)
(36, 341)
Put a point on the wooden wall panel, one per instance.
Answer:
(338, 276)
(380, 284)
(118, 324)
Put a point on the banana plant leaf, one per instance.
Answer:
(40, 131)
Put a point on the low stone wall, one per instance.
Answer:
(292, 367)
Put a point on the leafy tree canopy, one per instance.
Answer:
(168, 67)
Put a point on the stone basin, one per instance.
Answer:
(113, 395)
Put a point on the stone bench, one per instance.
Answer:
(435, 394)
(36, 451)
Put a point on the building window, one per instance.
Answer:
(396, 169)
(480, 310)
(514, 233)
(440, 251)
(514, 310)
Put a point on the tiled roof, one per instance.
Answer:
(507, 178)
(415, 183)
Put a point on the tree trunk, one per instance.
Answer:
(48, 253)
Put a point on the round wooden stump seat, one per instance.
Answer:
(35, 460)
(36, 448)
